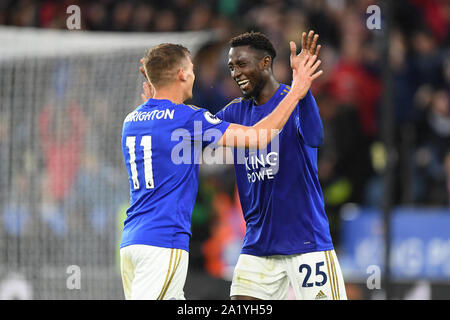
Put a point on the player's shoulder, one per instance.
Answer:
(230, 106)
(189, 111)
(284, 89)
(129, 117)
(188, 107)
(196, 113)
(234, 102)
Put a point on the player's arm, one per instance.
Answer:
(310, 123)
(262, 133)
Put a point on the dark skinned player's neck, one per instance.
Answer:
(267, 91)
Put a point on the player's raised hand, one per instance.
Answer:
(304, 74)
(309, 47)
(309, 43)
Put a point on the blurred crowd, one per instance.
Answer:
(349, 94)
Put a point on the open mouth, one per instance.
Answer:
(243, 84)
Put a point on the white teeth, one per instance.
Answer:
(242, 82)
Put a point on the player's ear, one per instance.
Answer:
(181, 75)
(266, 62)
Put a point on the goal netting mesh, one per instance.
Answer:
(63, 185)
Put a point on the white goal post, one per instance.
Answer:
(63, 186)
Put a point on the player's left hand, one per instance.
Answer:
(309, 48)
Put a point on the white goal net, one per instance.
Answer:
(63, 185)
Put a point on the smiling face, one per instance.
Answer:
(248, 67)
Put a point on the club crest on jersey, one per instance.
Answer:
(211, 118)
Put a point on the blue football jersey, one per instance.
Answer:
(279, 189)
(161, 144)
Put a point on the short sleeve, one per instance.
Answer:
(205, 127)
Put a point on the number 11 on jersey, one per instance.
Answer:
(146, 143)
